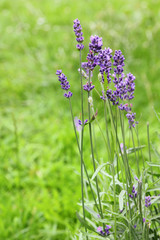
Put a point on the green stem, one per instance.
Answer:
(89, 182)
(81, 152)
(128, 174)
(92, 152)
(108, 141)
(149, 149)
(137, 159)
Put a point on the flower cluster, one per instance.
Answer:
(96, 44)
(118, 62)
(147, 201)
(131, 119)
(88, 87)
(124, 85)
(104, 61)
(92, 59)
(79, 34)
(64, 83)
(105, 232)
(134, 193)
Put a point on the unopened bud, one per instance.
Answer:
(90, 100)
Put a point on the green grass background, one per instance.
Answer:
(39, 162)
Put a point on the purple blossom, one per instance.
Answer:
(79, 34)
(130, 86)
(104, 61)
(118, 62)
(136, 178)
(131, 196)
(78, 123)
(99, 229)
(105, 232)
(111, 96)
(92, 61)
(134, 192)
(135, 226)
(133, 189)
(121, 146)
(58, 72)
(144, 220)
(131, 119)
(96, 44)
(68, 95)
(147, 201)
(88, 87)
(103, 96)
(64, 83)
(107, 229)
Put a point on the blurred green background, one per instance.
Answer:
(39, 162)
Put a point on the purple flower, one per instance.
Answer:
(131, 119)
(96, 44)
(110, 95)
(78, 123)
(106, 230)
(68, 95)
(88, 87)
(135, 226)
(104, 61)
(58, 72)
(147, 201)
(103, 96)
(131, 196)
(118, 62)
(79, 34)
(144, 220)
(99, 229)
(133, 189)
(64, 83)
(121, 146)
(92, 61)
(134, 193)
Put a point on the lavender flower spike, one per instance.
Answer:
(88, 87)
(64, 83)
(147, 201)
(96, 44)
(79, 34)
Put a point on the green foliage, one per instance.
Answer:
(39, 159)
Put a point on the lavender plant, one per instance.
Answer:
(117, 201)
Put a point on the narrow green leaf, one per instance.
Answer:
(155, 217)
(132, 150)
(153, 164)
(84, 223)
(98, 169)
(121, 199)
(156, 152)
(92, 212)
(154, 174)
(156, 188)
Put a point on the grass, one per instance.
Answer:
(39, 183)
